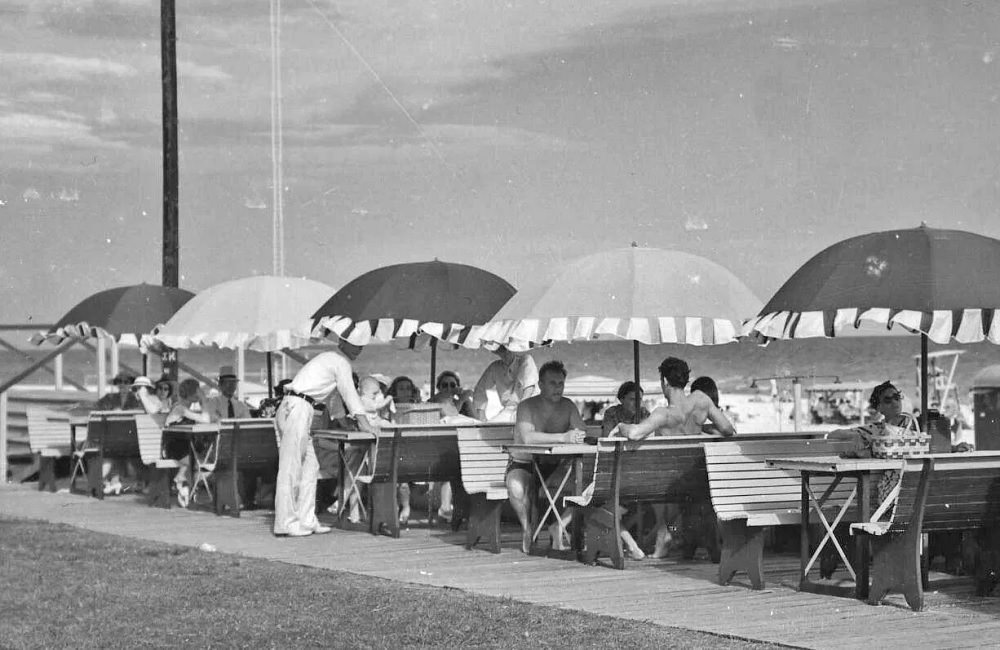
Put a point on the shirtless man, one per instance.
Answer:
(684, 414)
(545, 418)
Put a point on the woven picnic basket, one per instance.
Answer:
(891, 441)
(418, 413)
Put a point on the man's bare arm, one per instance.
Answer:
(658, 419)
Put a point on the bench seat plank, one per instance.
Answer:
(483, 461)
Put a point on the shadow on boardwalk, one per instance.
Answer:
(667, 592)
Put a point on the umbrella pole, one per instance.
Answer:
(270, 380)
(923, 381)
(638, 386)
(434, 350)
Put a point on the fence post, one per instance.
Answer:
(59, 372)
(3, 437)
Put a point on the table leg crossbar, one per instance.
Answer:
(351, 488)
(817, 507)
(552, 499)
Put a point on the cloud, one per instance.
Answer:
(34, 129)
(191, 70)
(56, 67)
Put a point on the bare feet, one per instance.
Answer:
(525, 541)
(631, 548)
(663, 542)
(560, 539)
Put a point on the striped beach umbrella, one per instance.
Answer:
(439, 299)
(939, 283)
(127, 314)
(643, 295)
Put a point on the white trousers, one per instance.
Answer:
(298, 469)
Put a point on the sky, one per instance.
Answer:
(510, 135)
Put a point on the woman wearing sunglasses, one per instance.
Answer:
(454, 400)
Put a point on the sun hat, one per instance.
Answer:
(227, 372)
(142, 381)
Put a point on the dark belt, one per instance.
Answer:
(311, 401)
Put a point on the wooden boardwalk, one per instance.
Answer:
(667, 592)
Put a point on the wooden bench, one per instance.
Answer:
(110, 434)
(655, 470)
(159, 469)
(48, 437)
(938, 492)
(748, 496)
(243, 445)
(483, 463)
(410, 454)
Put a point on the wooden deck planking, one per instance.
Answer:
(668, 592)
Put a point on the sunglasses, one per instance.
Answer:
(448, 384)
(891, 398)
(162, 387)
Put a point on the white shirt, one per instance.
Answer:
(512, 383)
(325, 373)
(217, 407)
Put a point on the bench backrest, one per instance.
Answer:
(114, 433)
(47, 429)
(426, 453)
(742, 485)
(956, 492)
(149, 430)
(250, 442)
(483, 459)
(654, 470)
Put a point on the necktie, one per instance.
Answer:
(232, 412)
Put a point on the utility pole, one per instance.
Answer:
(171, 237)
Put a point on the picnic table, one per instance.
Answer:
(860, 470)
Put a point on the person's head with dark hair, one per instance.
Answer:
(189, 390)
(887, 400)
(675, 372)
(448, 377)
(552, 366)
(404, 391)
(552, 380)
(626, 388)
(707, 386)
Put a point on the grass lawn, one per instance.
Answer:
(63, 586)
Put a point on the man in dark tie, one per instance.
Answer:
(226, 404)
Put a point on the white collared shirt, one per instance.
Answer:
(325, 373)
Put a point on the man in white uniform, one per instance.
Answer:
(513, 376)
(298, 469)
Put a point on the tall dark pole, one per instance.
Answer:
(168, 67)
(171, 237)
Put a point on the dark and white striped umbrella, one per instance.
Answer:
(942, 284)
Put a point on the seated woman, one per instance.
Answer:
(707, 386)
(624, 411)
(186, 411)
(454, 400)
(402, 390)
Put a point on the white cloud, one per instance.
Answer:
(35, 129)
(190, 70)
(59, 67)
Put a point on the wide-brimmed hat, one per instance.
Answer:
(142, 381)
(227, 372)
(123, 377)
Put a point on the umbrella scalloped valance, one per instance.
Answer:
(941, 326)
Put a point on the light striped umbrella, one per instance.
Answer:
(643, 295)
(263, 313)
(940, 283)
